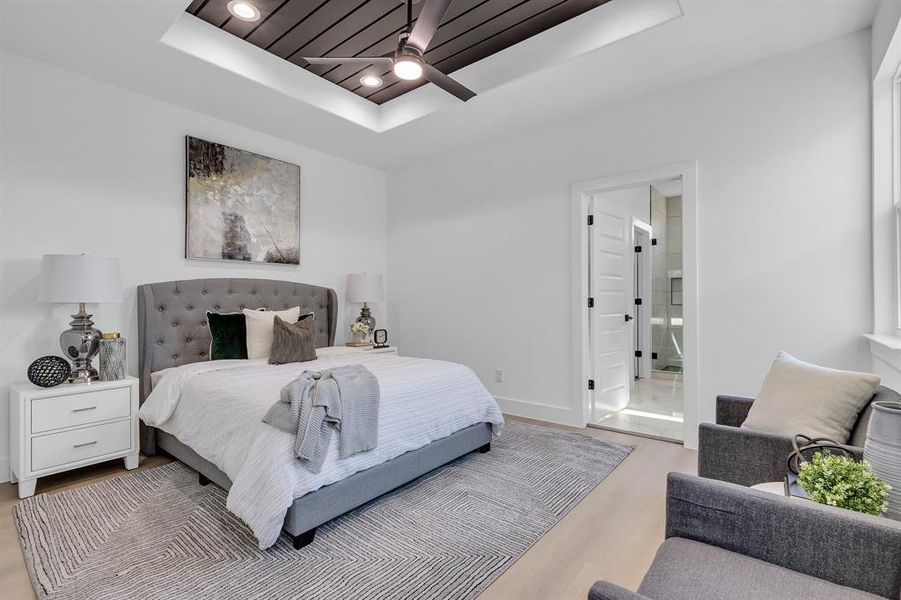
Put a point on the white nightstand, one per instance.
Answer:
(69, 426)
(388, 350)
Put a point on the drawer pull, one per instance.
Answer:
(83, 409)
(84, 444)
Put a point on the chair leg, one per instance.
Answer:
(303, 539)
(203, 479)
(485, 448)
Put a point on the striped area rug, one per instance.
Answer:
(157, 533)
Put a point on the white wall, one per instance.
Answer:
(479, 241)
(885, 24)
(87, 167)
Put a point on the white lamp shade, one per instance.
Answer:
(363, 287)
(74, 278)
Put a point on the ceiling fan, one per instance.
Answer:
(407, 61)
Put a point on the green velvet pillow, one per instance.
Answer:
(229, 335)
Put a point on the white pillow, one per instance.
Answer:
(259, 328)
(799, 397)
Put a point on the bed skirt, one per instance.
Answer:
(328, 502)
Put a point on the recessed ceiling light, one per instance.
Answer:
(371, 80)
(244, 10)
(408, 67)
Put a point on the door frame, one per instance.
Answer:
(644, 286)
(580, 202)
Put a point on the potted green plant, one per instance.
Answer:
(843, 482)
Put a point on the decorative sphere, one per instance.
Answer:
(49, 371)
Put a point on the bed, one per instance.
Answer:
(213, 425)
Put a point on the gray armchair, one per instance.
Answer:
(727, 541)
(746, 457)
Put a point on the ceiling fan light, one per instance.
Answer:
(244, 10)
(371, 80)
(408, 68)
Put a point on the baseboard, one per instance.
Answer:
(540, 411)
(4, 469)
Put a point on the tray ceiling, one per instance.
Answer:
(471, 31)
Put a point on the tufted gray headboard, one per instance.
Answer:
(172, 327)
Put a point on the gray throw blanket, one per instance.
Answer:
(344, 398)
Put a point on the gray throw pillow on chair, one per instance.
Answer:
(293, 342)
(799, 397)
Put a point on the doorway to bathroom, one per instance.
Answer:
(635, 319)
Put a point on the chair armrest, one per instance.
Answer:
(742, 456)
(732, 410)
(856, 452)
(837, 545)
(745, 456)
(604, 590)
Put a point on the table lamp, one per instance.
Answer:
(365, 288)
(79, 279)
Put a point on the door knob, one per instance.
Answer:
(628, 318)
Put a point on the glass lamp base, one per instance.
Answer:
(366, 317)
(84, 375)
(80, 344)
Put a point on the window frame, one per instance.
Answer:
(896, 192)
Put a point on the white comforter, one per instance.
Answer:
(216, 409)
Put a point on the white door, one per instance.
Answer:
(610, 280)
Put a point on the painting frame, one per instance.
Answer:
(190, 225)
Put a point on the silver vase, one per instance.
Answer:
(883, 451)
(112, 358)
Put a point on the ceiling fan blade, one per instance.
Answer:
(380, 61)
(447, 84)
(427, 23)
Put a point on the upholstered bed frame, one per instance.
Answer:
(173, 331)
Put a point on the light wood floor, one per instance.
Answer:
(612, 534)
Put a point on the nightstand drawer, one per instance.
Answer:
(79, 444)
(79, 409)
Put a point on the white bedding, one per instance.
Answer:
(216, 408)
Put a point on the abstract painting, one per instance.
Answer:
(241, 206)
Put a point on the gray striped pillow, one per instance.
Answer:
(292, 342)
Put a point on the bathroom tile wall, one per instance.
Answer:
(666, 256)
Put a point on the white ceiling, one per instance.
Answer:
(579, 36)
(120, 43)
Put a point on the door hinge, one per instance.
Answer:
(638, 354)
(591, 384)
(638, 248)
(654, 355)
(638, 302)
(591, 219)
(591, 303)
(653, 241)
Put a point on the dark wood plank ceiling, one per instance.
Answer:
(471, 31)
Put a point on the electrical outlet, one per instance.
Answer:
(499, 375)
